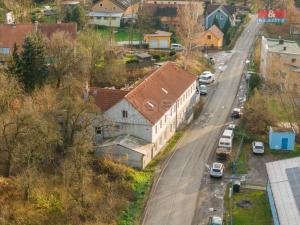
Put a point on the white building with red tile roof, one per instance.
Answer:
(155, 108)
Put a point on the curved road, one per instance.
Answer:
(173, 199)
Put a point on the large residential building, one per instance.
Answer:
(283, 191)
(150, 112)
(11, 34)
(280, 59)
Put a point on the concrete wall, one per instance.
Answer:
(272, 205)
(123, 155)
(275, 140)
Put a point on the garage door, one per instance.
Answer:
(164, 44)
(153, 44)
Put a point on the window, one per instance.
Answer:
(208, 37)
(293, 60)
(156, 129)
(124, 113)
(221, 17)
(100, 4)
(4, 51)
(98, 17)
(98, 130)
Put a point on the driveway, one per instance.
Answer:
(176, 197)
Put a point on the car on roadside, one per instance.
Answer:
(203, 89)
(231, 127)
(216, 170)
(236, 113)
(177, 47)
(215, 220)
(206, 78)
(258, 147)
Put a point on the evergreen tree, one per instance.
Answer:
(76, 15)
(14, 65)
(226, 27)
(29, 66)
(33, 63)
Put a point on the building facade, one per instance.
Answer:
(156, 108)
(280, 60)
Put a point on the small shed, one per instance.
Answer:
(158, 40)
(282, 138)
(144, 57)
(127, 149)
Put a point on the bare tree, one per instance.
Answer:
(189, 27)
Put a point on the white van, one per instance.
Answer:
(226, 139)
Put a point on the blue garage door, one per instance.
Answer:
(284, 143)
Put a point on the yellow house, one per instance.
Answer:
(159, 39)
(213, 37)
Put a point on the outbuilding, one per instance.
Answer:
(281, 138)
(158, 40)
(127, 149)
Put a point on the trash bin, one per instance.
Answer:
(236, 186)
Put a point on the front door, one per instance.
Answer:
(284, 143)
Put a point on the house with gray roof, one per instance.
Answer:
(221, 14)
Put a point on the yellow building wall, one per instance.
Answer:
(147, 39)
(106, 5)
(204, 40)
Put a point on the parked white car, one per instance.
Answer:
(206, 78)
(203, 89)
(231, 127)
(215, 220)
(258, 147)
(216, 170)
(176, 47)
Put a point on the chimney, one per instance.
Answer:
(86, 91)
(36, 24)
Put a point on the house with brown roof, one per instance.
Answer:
(154, 109)
(110, 12)
(211, 38)
(11, 34)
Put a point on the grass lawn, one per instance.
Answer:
(286, 154)
(120, 34)
(275, 106)
(259, 213)
(242, 167)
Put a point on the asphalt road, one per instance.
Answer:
(174, 199)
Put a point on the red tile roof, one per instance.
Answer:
(106, 98)
(10, 34)
(159, 91)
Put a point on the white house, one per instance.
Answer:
(108, 19)
(154, 109)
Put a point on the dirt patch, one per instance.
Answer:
(244, 204)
